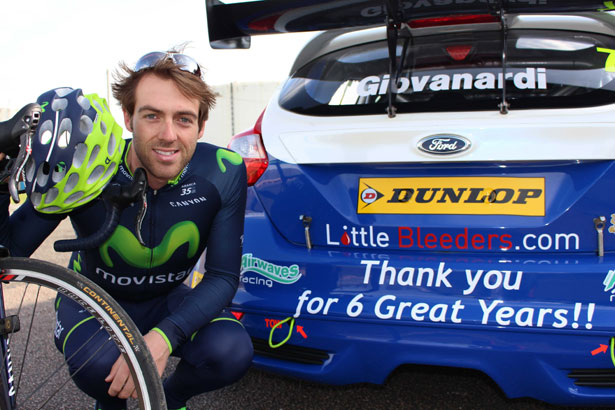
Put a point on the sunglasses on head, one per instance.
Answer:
(183, 62)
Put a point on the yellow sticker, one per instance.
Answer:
(609, 65)
(196, 278)
(452, 196)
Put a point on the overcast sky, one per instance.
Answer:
(52, 43)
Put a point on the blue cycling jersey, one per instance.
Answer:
(202, 209)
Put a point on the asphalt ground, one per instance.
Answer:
(413, 387)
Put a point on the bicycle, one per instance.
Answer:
(19, 274)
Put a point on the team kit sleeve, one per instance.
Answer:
(26, 229)
(222, 267)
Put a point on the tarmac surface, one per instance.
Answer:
(409, 388)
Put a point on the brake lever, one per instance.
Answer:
(25, 150)
(25, 128)
(140, 183)
(125, 195)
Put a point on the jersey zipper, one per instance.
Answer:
(152, 235)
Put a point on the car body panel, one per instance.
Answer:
(561, 212)
(552, 134)
(525, 320)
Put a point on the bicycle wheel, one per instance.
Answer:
(30, 287)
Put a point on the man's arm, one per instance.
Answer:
(222, 265)
(25, 229)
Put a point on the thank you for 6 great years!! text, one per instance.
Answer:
(407, 306)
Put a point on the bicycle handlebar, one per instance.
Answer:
(116, 197)
(24, 121)
(16, 134)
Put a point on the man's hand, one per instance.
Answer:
(120, 378)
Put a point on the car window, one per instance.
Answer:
(459, 72)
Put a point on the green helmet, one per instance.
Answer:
(75, 152)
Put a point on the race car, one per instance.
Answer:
(434, 184)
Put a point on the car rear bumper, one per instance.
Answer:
(522, 364)
(529, 321)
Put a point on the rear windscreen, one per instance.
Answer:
(459, 72)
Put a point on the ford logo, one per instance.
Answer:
(444, 144)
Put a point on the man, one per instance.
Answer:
(195, 201)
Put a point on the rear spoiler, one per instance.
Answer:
(231, 25)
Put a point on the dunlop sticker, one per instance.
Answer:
(452, 196)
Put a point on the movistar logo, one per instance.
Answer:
(281, 274)
(229, 156)
(77, 263)
(124, 243)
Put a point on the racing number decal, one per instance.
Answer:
(609, 65)
(452, 196)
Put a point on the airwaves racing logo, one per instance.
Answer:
(452, 196)
(285, 275)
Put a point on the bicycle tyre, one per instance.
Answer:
(105, 309)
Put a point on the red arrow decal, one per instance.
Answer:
(300, 330)
(601, 349)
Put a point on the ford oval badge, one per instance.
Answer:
(444, 144)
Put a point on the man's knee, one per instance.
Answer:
(225, 346)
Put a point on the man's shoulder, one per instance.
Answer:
(218, 160)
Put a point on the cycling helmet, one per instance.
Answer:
(75, 151)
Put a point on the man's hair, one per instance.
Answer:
(190, 85)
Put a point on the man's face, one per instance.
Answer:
(165, 130)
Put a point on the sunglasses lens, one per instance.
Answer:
(183, 61)
(186, 63)
(149, 60)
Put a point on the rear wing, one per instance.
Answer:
(232, 23)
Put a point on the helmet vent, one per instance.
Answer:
(66, 127)
(103, 127)
(63, 91)
(58, 172)
(59, 104)
(97, 105)
(85, 125)
(93, 155)
(30, 169)
(111, 144)
(74, 197)
(81, 150)
(42, 176)
(84, 102)
(110, 171)
(35, 198)
(71, 183)
(51, 195)
(45, 132)
(96, 174)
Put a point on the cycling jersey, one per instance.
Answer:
(203, 208)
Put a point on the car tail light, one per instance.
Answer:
(249, 144)
(458, 53)
(265, 24)
(451, 20)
